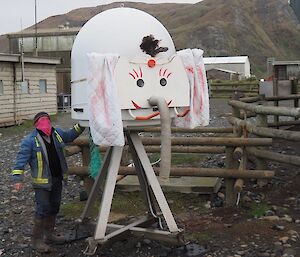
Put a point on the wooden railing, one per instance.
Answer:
(262, 127)
(225, 144)
(225, 89)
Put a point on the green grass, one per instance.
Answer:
(74, 209)
(257, 210)
(16, 129)
(181, 158)
(199, 237)
(180, 202)
(131, 203)
(25, 126)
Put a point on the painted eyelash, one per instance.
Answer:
(164, 73)
(137, 75)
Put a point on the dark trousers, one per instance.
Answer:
(48, 202)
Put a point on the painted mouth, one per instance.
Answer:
(148, 117)
(136, 106)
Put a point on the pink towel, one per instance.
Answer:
(105, 118)
(199, 102)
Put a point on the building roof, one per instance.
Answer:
(286, 63)
(229, 59)
(29, 59)
(45, 32)
(224, 70)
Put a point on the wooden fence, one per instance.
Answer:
(225, 89)
(226, 145)
(262, 127)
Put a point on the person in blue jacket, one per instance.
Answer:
(42, 149)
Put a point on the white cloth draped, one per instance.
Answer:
(105, 118)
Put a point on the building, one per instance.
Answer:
(295, 4)
(53, 42)
(27, 86)
(281, 76)
(286, 70)
(221, 74)
(239, 64)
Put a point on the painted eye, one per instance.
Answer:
(163, 82)
(140, 83)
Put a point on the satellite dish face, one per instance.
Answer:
(139, 74)
(119, 31)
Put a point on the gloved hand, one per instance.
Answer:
(18, 186)
(82, 128)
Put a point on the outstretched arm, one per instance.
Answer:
(69, 135)
(23, 158)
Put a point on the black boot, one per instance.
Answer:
(50, 236)
(37, 236)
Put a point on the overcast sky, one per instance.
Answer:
(17, 14)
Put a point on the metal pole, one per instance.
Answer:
(35, 27)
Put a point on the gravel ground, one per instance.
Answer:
(222, 231)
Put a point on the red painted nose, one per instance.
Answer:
(151, 63)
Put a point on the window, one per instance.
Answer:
(43, 86)
(1, 87)
(24, 87)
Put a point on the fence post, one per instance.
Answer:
(276, 102)
(295, 91)
(229, 183)
(231, 163)
(261, 164)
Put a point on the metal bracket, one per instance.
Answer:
(91, 247)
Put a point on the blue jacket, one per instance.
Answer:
(33, 152)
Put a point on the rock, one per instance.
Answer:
(291, 199)
(269, 213)
(207, 205)
(147, 241)
(218, 202)
(221, 195)
(278, 245)
(17, 211)
(284, 239)
(265, 254)
(271, 218)
(293, 233)
(83, 196)
(247, 199)
(289, 252)
(278, 227)
(287, 218)
(262, 182)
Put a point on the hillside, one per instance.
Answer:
(259, 29)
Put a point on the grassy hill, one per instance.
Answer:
(257, 28)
